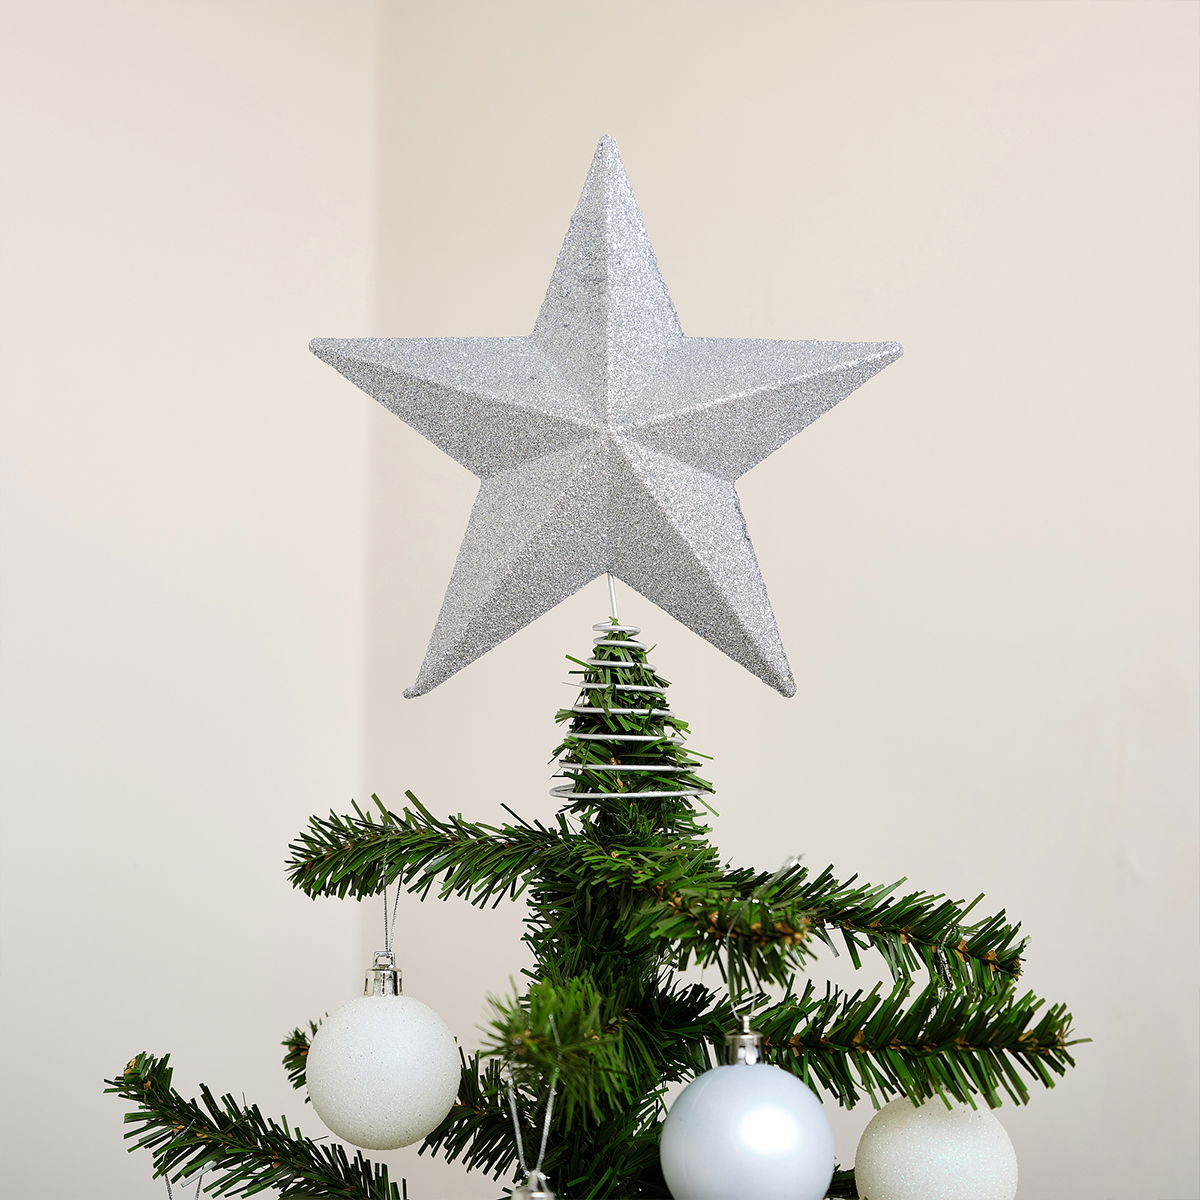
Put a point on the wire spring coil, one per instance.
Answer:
(567, 790)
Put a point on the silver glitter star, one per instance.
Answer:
(606, 441)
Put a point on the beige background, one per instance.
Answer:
(222, 562)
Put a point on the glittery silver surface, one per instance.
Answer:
(606, 441)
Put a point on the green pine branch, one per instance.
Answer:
(295, 1060)
(573, 1034)
(962, 1045)
(912, 931)
(766, 932)
(241, 1151)
(360, 855)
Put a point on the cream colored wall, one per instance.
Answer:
(983, 563)
(187, 199)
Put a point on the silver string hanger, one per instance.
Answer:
(734, 973)
(199, 1185)
(384, 979)
(389, 927)
(536, 1186)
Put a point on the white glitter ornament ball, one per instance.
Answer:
(747, 1130)
(935, 1153)
(383, 1071)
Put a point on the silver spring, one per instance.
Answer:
(567, 765)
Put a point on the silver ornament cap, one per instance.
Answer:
(535, 1187)
(383, 979)
(743, 1045)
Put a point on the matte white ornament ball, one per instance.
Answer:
(383, 1071)
(747, 1130)
(935, 1153)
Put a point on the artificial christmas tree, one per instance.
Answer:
(624, 890)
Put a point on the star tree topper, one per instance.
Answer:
(606, 441)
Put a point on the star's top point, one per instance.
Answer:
(607, 318)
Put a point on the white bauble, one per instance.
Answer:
(383, 1071)
(747, 1130)
(935, 1153)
